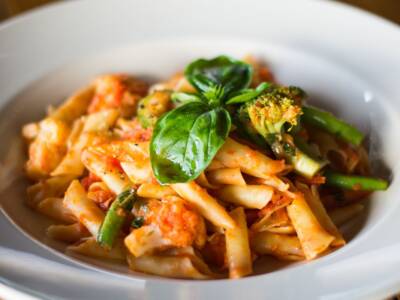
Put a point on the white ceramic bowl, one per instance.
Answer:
(347, 61)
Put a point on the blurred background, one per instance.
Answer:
(389, 9)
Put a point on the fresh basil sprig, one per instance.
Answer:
(186, 139)
(216, 79)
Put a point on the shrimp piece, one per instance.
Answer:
(117, 91)
(178, 223)
(48, 148)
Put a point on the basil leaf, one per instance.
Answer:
(248, 94)
(218, 77)
(179, 98)
(186, 139)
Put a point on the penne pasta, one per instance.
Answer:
(250, 196)
(235, 155)
(110, 174)
(138, 173)
(96, 122)
(313, 237)
(343, 214)
(100, 121)
(283, 229)
(90, 247)
(75, 106)
(203, 182)
(226, 176)
(215, 165)
(154, 190)
(314, 202)
(67, 233)
(281, 246)
(166, 266)
(237, 246)
(54, 208)
(85, 210)
(51, 187)
(277, 202)
(197, 261)
(76, 130)
(273, 181)
(277, 219)
(204, 203)
(146, 240)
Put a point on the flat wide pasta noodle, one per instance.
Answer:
(277, 202)
(237, 246)
(202, 180)
(67, 233)
(94, 123)
(250, 196)
(281, 246)
(204, 203)
(314, 202)
(273, 181)
(196, 260)
(85, 210)
(74, 106)
(279, 218)
(235, 155)
(313, 237)
(166, 266)
(226, 176)
(51, 187)
(53, 207)
(114, 178)
(155, 190)
(90, 247)
(146, 240)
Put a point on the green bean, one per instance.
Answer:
(333, 125)
(351, 182)
(115, 218)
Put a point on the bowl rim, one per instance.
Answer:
(57, 7)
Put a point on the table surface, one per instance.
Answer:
(389, 9)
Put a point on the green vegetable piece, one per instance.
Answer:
(248, 94)
(351, 182)
(271, 111)
(219, 77)
(115, 218)
(289, 149)
(269, 114)
(305, 164)
(137, 222)
(327, 121)
(152, 107)
(186, 139)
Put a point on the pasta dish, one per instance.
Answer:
(197, 176)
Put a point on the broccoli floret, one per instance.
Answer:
(273, 115)
(269, 112)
